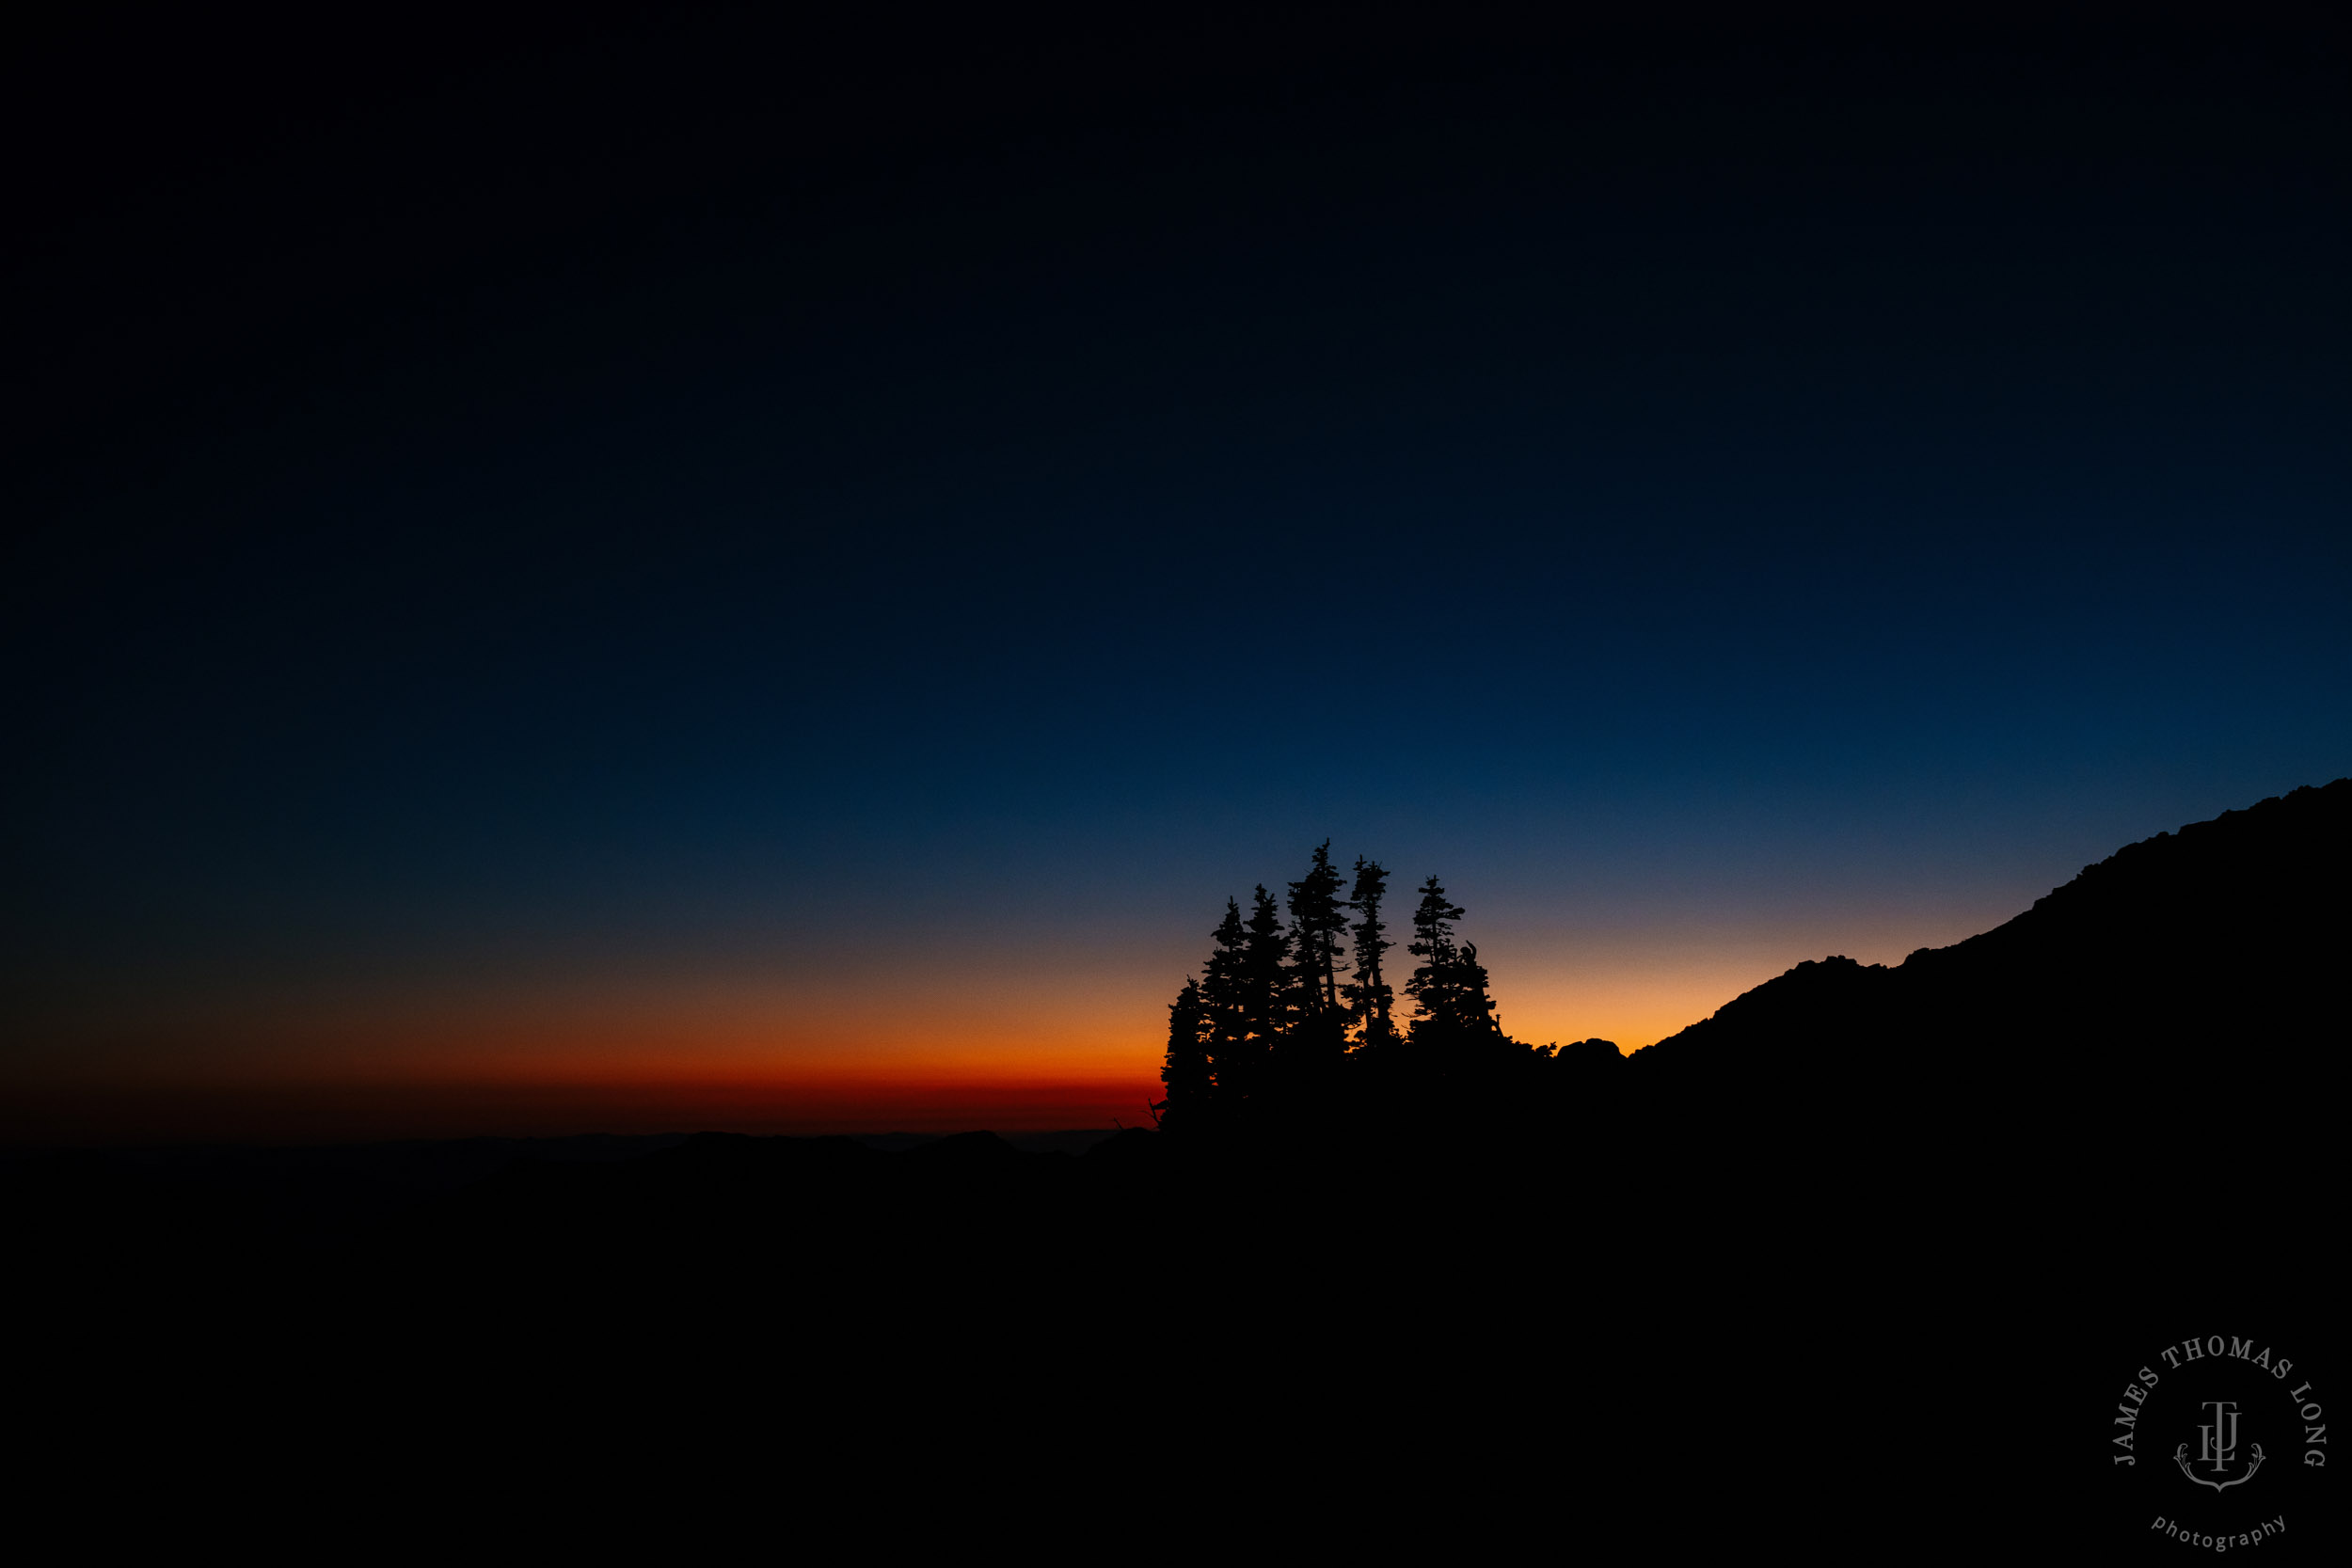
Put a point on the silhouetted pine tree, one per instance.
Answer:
(1224, 999)
(1265, 1029)
(1473, 1009)
(1455, 1031)
(1187, 1072)
(1318, 1028)
(1433, 983)
(1264, 978)
(1369, 997)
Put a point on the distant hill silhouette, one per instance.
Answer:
(2198, 969)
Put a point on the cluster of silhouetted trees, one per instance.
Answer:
(1281, 1013)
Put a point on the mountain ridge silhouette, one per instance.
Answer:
(2205, 945)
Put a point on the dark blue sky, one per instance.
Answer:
(876, 542)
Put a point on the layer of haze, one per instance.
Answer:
(693, 624)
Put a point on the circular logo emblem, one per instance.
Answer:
(2216, 1443)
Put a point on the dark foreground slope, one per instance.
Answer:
(1845, 1229)
(2194, 976)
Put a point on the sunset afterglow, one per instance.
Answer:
(545, 603)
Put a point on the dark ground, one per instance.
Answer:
(1814, 1267)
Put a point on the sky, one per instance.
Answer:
(632, 575)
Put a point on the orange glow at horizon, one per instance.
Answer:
(327, 1068)
(362, 1110)
(940, 1051)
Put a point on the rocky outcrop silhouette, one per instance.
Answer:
(2195, 967)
